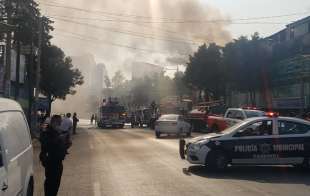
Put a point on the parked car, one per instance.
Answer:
(232, 116)
(16, 154)
(172, 124)
(268, 140)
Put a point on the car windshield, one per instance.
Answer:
(253, 113)
(112, 109)
(169, 117)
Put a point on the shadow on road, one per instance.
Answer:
(262, 174)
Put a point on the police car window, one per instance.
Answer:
(287, 128)
(260, 128)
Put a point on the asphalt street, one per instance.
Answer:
(131, 162)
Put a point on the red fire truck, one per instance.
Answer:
(111, 114)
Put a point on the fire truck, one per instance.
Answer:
(111, 114)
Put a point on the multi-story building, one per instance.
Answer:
(291, 86)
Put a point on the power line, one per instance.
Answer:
(105, 20)
(139, 22)
(169, 20)
(95, 41)
(131, 33)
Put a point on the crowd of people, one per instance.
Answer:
(55, 138)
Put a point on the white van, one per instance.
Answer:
(16, 154)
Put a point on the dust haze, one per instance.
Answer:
(120, 32)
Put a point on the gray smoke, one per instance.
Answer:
(184, 37)
(165, 43)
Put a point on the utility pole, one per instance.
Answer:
(38, 73)
(17, 38)
(16, 95)
(38, 70)
(7, 72)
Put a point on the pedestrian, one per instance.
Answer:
(67, 124)
(96, 119)
(92, 118)
(53, 152)
(75, 121)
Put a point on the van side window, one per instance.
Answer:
(16, 133)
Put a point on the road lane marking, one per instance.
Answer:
(97, 191)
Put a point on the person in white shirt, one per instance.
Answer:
(67, 124)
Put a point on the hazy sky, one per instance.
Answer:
(259, 8)
(115, 31)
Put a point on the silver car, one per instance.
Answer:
(172, 124)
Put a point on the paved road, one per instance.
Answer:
(131, 162)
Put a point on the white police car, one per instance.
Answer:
(268, 140)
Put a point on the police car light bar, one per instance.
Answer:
(250, 108)
(272, 114)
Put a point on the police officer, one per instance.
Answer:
(53, 152)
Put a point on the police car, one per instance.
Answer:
(268, 140)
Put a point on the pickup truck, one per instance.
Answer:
(231, 117)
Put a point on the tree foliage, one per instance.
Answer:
(118, 79)
(58, 77)
(239, 66)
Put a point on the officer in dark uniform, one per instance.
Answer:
(53, 152)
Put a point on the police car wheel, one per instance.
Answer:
(217, 160)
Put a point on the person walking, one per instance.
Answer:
(75, 121)
(53, 152)
(92, 118)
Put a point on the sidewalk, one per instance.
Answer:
(39, 170)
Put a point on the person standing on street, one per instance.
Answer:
(53, 152)
(66, 130)
(92, 118)
(67, 124)
(75, 121)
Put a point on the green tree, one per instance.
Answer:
(204, 71)
(245, 60)
(58, 77)
(118, 79)
(180, 85)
